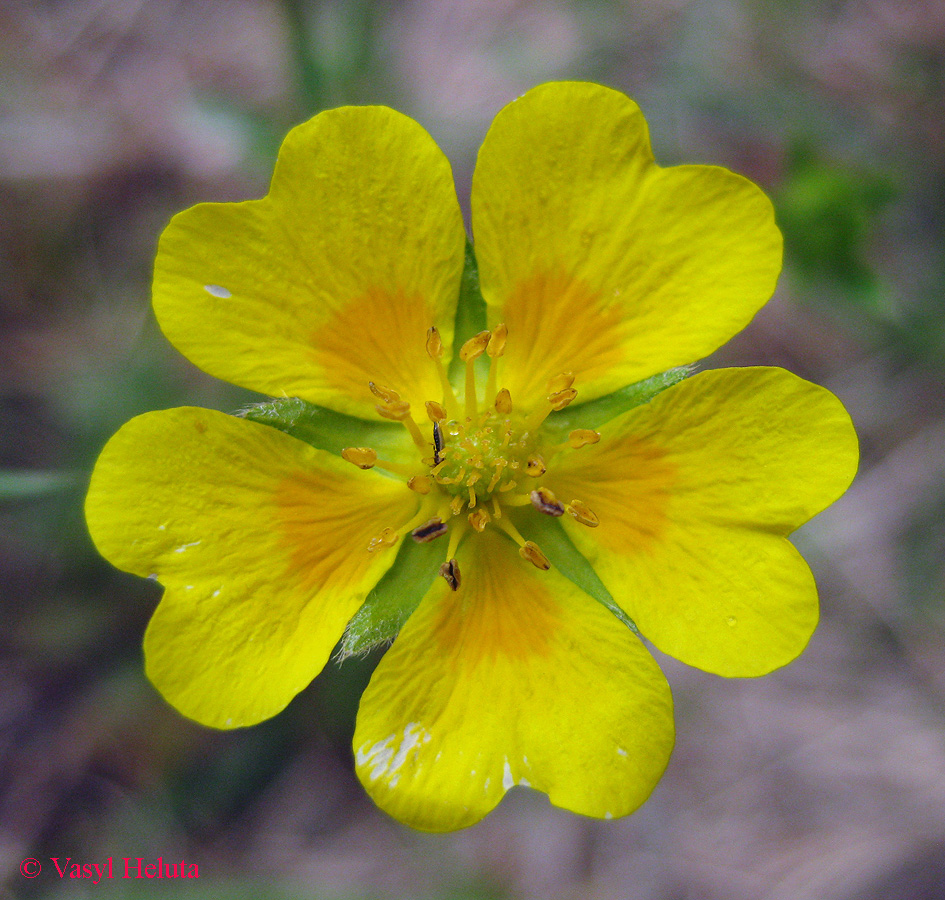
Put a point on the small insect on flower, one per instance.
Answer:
(584, 487)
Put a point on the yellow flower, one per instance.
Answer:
(534, 511)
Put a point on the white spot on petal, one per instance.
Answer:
(507, 779)
(183, 547)
(608, 815)
(216, 290)
(621, 751)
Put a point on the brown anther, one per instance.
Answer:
(362, 457)
(544, 501)
(531, 552)
(560, 399)
(479, 518)
(503, 402)
(496, 346)
(386, 394)
(420, 483)
(434, 343)
(475, 346)
(398, 410)
(429, 531)
(535, 466)
(450, 571)
(560, 382)
(435, 411)
(387, 538)
(580, 437)
(583, 513)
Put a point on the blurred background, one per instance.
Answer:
(823, 781)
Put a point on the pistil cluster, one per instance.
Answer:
(476, 461)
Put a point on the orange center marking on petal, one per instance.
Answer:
(327, 520)
(383, 326)
(553, 320)
(501, 610)
(628, 484)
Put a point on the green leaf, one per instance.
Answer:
(329, 430)
(395, 597)
(549, 534)
(598, 412)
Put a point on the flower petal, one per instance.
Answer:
(331, 280)
(260, 542)
(696, 492)
(600, 262)
(516, 678)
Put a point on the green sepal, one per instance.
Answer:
(393, 599)
(470, 314)
(549, 534)
(327, 429)
(596, 413)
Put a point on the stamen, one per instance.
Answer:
(429, 531)
(495, 349)
(526, 549)
(503, 402)
(545, 501)
(479, 519)
(469, 353)
(457, 504)
(362, 457)
(395, 410)
(583, 513)
(560, 399)
(420, 483)
(560, 382)
(472, 496)
(496, 509)
(535, 466)
(435, 352)
(581, 437)
(435, 411)
(386, 394)
(531, 552)
(450, 571)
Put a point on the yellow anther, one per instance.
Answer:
(450, 571)
(560, 399)
(560, 382)
(580, 437)
(479, 519)
(508, 486)
(472, 496)
(500, 464)
(535, 466)
(457, 504)
(496, 509)
(529, 550)
(386, 394)
(398, 410)
(583, 513)
(503, 402)
(387, 538)
(435, 411)
(496, 345)
(475, 346)
(362, 457)
(420, 483)
(429, 531)
(544, 501)
(434, 343)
